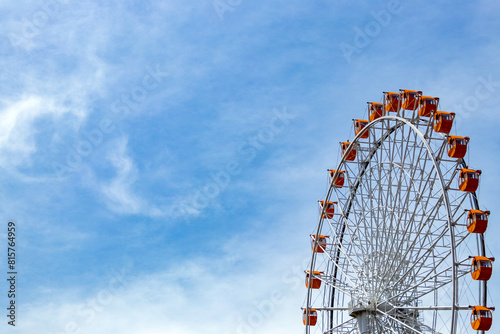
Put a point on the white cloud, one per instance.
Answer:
(18, 127)
(203, 295)
(119, 191)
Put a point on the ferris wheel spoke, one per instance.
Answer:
(398, 250)
(417, 257)
(429, 284)
(419, 261)
(425, 287)
(399, 186)
(453, 175)
(400, 322)
(442, 149)
(431, 178)
(382, 327)
(346, 325)
(457, 204)
(340, 241)
(343, 272)
(426, 236)
(410, 177)
(338, 288)
(355, 235)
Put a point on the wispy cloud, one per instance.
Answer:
(210, 295)
(119, 192)
(18, 129)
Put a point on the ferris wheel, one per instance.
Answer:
(399, 246)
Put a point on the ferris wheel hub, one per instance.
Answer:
(359, 311)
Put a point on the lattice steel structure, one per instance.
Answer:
(398, 251)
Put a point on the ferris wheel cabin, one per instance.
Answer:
(320, 246)
(457, 146)
(329, 209)
(477, 221)
(410, 99)
(350, 155)
(443, 121)
(481, 268)
(376, 110)
(481, 318)
(392, 101)
(428, 105)
(315, 281)
(338, 179)
(359, 125)
(469, 180)
(310, 318)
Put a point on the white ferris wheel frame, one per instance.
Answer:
(398, 122)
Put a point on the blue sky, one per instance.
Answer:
(118, 118)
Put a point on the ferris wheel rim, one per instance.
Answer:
(400, 121)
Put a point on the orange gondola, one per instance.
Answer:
(428, 105)
(457, 146)
(410, 99)
(392, 101)
(321, 245)
(310, 318)
(315, 281)
(359, 126)
(443, 121)
(376, 110)
(468, 179)
(339, 179)
(329, 210)
(350, 155)
(481, 318)
(481, 268)
(477, 221)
